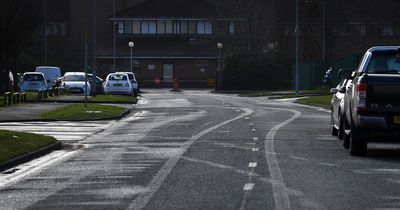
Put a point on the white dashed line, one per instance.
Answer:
(247, 118)
(255, 149)
(255, 138)
(253, 129)
(251, 124)
(252, 165)
(248, 186)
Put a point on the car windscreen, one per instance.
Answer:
(74, 78)
(118, 77)
(33, 77)
(384, 63)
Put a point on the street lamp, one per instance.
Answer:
(219, 46)
(131, 45)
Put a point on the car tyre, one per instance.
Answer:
(358, 143)
(334, 131)
(346, 138)
(135, 93)
(341, 131)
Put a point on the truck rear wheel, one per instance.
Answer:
(358, 143)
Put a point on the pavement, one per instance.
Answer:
(27, 112)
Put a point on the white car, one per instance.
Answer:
(117, 83)
(74, 82)
(33, 81)
(132, 78)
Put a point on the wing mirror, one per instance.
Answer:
(342, 89)
(334, 91)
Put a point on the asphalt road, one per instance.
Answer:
(198, 150)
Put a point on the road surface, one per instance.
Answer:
(199, 150)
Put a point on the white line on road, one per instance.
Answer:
(248, 186)
(255, 138)
(255, 149)
(281, 196)
(142, 199)
(253, 129)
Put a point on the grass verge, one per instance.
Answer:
(14, 144)
(79, 112)
(323, 101)
(113, 99)
(286, 93)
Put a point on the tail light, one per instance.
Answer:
(361, 91)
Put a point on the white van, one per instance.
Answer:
(51, 73)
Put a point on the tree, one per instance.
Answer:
(19, 19)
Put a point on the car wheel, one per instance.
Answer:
(135, 94)
(334, 131)
(341, 128)
(358, 143)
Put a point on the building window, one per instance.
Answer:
(192, 27)
(168, 26)
(148, 27)
(177, 27)
(136, 26)
(128, 27)
(232, 27)
(204, 27)
(184, 27)
(151, 67)
(388, 30)
(120, 27)
(63, 29)
(363, 29)
(160, 27)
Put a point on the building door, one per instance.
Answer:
(168, 73)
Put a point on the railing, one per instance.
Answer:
(17, 97)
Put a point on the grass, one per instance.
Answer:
(113, 99)
(78, 112)
(324, 101)
(14, 144)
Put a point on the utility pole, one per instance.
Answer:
(323, 31)
(94, 46)
(297, 49)
(86, 69)
(45, 32)
(114, 50)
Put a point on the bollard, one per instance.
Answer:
(45, 93)
(23, 97)
(51, 92)
(7, 95)
(40, 95)
(16, 98)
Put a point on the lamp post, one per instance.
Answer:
(219, 46)
(131, 45)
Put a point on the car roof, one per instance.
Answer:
(124, 72)
(33, 73)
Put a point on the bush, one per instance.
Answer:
(246, 72)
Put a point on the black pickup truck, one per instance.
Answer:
(372, 100)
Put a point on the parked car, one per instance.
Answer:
(337, 107)
(117, 83)
(51, 74)
(33, 81)
(99, 83)
(75, 82)
(134, 83)
(372, 104)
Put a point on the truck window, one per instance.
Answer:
(385, 63)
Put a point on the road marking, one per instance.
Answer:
(248, 186)
(253, 129)
(252, 165)
(251, 124)
(247, 118)
(281, 196)
(255, 138)
(255, 149)
(142, 199)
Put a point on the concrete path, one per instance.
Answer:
(29, 111)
